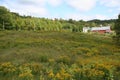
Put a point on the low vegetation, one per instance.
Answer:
(38, 55)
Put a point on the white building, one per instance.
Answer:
(86, 29)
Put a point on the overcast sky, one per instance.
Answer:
(75, 9)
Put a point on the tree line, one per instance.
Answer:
(117, 30)
(14, 21)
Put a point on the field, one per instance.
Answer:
(34, 55)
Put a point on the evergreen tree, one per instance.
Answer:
(117, 30)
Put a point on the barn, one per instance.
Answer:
(104, 29)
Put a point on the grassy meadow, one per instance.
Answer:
(34, 55)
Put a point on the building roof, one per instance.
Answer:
(100, 28)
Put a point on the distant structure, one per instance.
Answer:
(103, 29)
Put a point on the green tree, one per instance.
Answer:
(117, 30)
(5, 18)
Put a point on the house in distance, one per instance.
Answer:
(103, 29)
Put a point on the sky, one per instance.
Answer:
(65, 9)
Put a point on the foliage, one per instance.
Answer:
(14, 21)
(5, 18)
(38, 55)
(44, 49)
(117, 30)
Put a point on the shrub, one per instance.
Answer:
(25, 73)
(7, 68)
(64, 60)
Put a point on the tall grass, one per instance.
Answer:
(32, 55)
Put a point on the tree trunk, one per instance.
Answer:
(3, 25)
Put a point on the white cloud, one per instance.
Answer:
(39, 8)
(77, 16)
(31, 7)
(31, 10)
(105, 17)
(40, 2)
(55, 2)
(118, 9)
(115, 16)
(110, 10)
(110, 3)
(82, 5)
(101, 17)
(28, 7)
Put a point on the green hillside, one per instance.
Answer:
(34, 55)
(13, 21)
